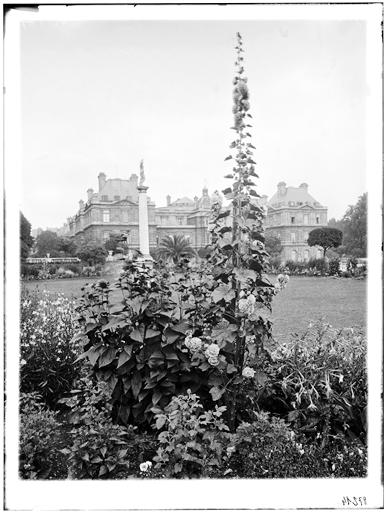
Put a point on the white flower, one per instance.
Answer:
(247, 305)
(195, 344)
(250, 339)
(248, 372)
(23, 362)
(213, 361)
(212, 351)
(230, 450)
(145, 466)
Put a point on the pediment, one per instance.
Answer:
(124, 202)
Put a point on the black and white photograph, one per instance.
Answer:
(193, 256)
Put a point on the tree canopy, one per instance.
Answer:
(273, 246)
(354, 227)
(325, 238)
(174, 248)
(46, 243)
(26, 240)
(92, 254)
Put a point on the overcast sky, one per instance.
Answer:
(100, 96)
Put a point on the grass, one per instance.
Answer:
(341, 302)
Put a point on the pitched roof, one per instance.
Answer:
(297, 196)
(183, 201)
(118, 187)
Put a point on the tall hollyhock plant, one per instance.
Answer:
(241, 293)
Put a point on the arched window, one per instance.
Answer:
(106, 215)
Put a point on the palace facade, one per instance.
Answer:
(290, 215)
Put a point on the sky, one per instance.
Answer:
(102, 95)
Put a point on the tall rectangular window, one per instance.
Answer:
(293, 237)
(305, 219)
(106, 215)
(292, 220)
(317, 220)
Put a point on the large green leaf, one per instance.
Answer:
(136, 383)
(107, 357)
(124, 356)
(137, 334)
(223, 292)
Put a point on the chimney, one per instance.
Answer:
(101, 180)
(90, 193)
(168, 200)
(281, 188)
(81, 204)
(304, 186)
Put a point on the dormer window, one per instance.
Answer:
(105, 198)
(117, 198)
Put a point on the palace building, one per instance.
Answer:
(114, 209)
(291, 214)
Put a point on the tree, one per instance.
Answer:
(66, 246)
(355, 228)
(325, 238)
(26, 240)
(92, 254)
(115, 242)
(273, 246)
(174, 248)
(47, 243)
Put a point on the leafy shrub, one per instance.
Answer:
(99, 448)
(39, 437)
(29, 271)
(321, 377)
(268, 448)
(139, 349)
(334, 267)
(319, 265)
(47, 351)
(194, 441)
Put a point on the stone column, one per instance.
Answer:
(143, 222)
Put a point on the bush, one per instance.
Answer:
(100, 449)
(318, 265)
(29, 271)
(334, 267)
(268, 448)
(321, 378)
(47, 353)
(39, 437)
(194, 441)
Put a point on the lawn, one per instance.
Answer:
(341, 302)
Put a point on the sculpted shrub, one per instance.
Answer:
(47, 350)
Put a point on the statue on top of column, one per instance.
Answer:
(141, 174)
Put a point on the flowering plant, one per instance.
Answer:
(47, 352)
